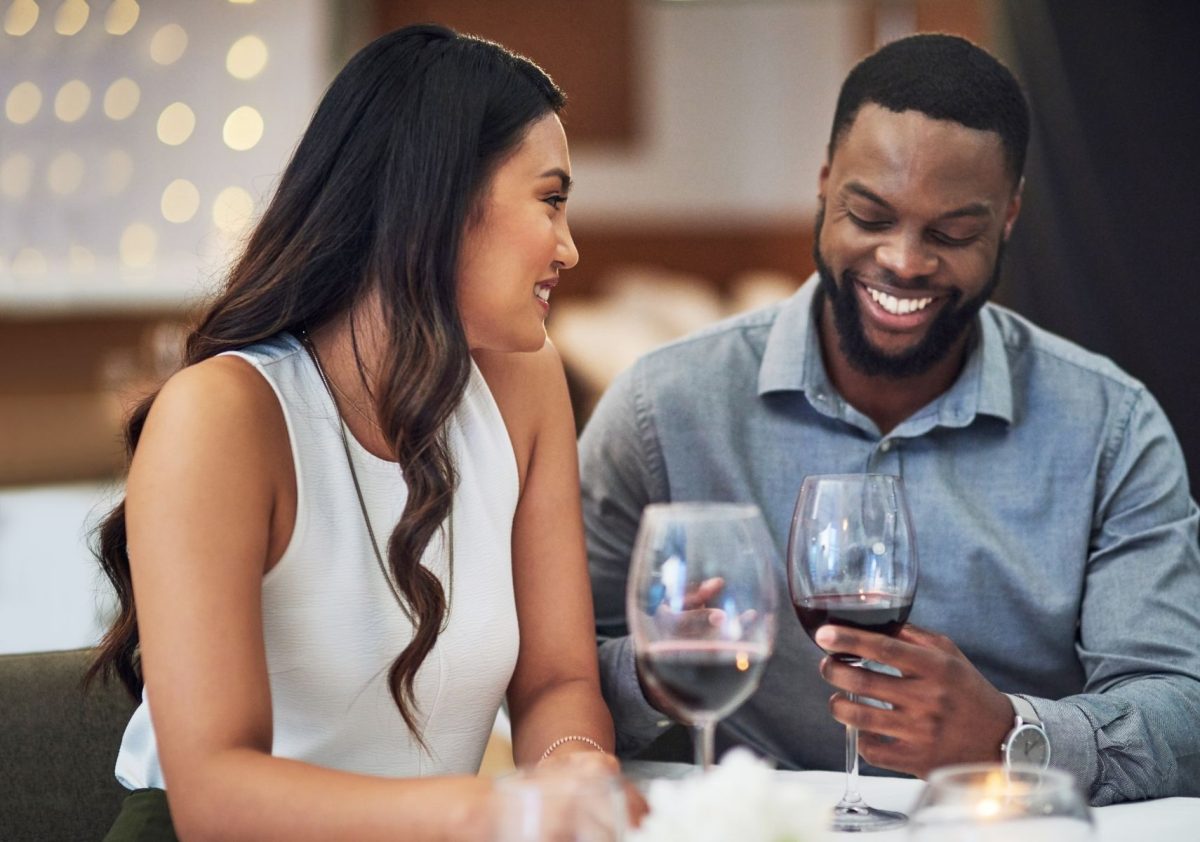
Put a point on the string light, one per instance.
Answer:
(71, 17)
(65, 173)
(121, 99)
(21, 17)
(246, 58)
(233, 210)
(243, 129)
(59, 181)
(138, 244)
(176, 124)
(180, 201)
(72, 101)
(168, 44)
(23, 103)
(121, 17)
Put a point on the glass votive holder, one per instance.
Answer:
(988, 802)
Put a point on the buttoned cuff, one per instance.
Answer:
(1072, 740)
(636, 721)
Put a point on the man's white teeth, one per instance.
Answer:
(543, 292)
(898, 306)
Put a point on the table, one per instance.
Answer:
(1161, 820)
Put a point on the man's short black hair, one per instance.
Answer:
(944, 77)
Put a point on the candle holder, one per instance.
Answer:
(989, 802)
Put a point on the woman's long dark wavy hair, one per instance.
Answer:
(376, 196)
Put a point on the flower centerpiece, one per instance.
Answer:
(742, 799)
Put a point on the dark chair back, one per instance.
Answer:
(58, 748)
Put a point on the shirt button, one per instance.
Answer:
(885, 446)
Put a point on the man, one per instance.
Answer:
(1060, 573)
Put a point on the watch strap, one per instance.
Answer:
(1024, 710)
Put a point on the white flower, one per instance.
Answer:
(741, 799)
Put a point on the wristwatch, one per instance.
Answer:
(1027, 741)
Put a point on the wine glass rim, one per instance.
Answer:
(849, 477)
(701, 508)
(959, 775)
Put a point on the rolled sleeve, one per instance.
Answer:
(1072, 739)
(1132, 734)
(637, 722)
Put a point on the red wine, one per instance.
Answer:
(874, 612)
(704, 678)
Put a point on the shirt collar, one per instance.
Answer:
(792, 362)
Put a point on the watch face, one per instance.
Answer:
(1029, 745)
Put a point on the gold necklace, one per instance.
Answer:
(362, 412)
(374, 422)
(306, 341)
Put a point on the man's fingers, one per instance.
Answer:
(923, 637)
(863, 682)
(899, 691)
(886, 752)
(867, 718)
(705, 591)
(902, 654)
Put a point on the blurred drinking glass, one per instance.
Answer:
(701, 605)
(557, 805)
(986, 802)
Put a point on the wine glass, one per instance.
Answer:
(701, 604)
(987, 802)
(852, 561)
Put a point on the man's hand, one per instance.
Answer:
(943, 710)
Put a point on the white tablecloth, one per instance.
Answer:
(1162, 820)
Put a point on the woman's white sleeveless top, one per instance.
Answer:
(330, 622)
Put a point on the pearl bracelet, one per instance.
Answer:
(570, 738)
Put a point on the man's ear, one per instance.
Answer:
(1014, 209)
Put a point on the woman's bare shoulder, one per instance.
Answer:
(220, 390)
(531, 391)
(220, 406)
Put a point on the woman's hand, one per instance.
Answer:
(582, 761)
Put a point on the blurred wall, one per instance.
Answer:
(1106, 249)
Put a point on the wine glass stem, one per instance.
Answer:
(702, 737)
(851, 798)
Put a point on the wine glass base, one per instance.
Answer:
(864, 819)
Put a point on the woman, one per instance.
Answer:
(351, 522)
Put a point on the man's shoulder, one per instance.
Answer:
(1056, 356)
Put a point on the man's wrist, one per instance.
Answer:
(1027, 741)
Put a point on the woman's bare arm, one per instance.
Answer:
(555, 690)
(209, 507)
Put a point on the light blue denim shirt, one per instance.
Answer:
(1057, 536)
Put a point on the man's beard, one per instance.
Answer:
(947, 327)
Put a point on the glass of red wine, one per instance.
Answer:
(852, 561)
(701, 604)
